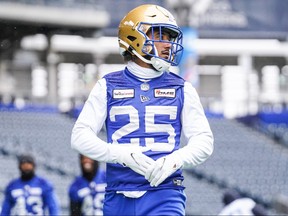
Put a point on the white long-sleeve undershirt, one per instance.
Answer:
(195, 127)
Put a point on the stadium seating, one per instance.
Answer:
(247, 160)
(243, 159)
(203, 198)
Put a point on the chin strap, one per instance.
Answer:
(159, 64)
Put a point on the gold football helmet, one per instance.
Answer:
(133, 30)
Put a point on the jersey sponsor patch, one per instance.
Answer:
(123, 93)
(166, 93)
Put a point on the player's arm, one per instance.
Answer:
(7, 203)
(89, 123)
(6, 207)
(198, 137)
(85, 135)
(49, 197)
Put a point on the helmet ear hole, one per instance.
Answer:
(131, 38)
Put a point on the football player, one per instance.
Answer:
(146, 109)
(29, 194)
(86, 193)
(235, 204)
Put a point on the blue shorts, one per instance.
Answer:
(156, 202)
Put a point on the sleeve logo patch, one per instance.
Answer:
(123, 93)
(167, 93)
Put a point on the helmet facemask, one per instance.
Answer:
(157, 34)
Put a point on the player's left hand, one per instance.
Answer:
(163, 168)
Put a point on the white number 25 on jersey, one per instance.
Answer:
(150, 125)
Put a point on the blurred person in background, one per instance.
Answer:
(29, 194)
(87, 191)
(235, 204)
(146, 109)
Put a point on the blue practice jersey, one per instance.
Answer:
(89, 194)
(33, 197)
(145, 114)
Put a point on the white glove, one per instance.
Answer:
(131, 156)
(163, 168)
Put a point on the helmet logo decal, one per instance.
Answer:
(130, 23)
(166, 13)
